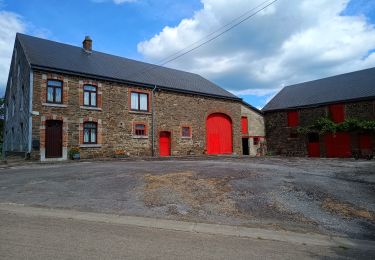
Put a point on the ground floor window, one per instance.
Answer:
(140, 129)
(90, 133)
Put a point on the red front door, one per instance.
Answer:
(165, 143)
(219, 134)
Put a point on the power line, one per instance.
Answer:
(219, 29)
(168, 60)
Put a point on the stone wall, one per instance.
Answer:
(116, 120)
(283, 140)
(176, 110)
(255, 130)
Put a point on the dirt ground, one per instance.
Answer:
(330, 196)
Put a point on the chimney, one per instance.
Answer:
(87, 44)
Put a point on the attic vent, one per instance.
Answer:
(87, 44)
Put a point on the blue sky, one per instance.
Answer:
(292, 41)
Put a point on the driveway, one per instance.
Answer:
(329, 196)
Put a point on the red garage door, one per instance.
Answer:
(219, 134)
(338, 145)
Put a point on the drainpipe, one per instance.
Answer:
(153, 120)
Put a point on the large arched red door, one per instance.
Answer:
(219, 134)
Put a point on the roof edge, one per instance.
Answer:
(252, 107)
(320, 104)
(33, 66)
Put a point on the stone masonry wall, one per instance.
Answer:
(176, 110)
(255, 128)
(116, 121)
(282, 139)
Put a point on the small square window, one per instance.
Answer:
(186, 131)
(256, 140)
(140, 129)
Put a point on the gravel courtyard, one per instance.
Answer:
(330, 196)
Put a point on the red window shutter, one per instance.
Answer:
(337, 113)
(245, 129)
(293, 119)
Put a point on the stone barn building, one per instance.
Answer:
(347, 100)
(252, 128)
(60, 97)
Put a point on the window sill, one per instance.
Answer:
(140, 112)
(186, 137)
(140, 136)
(54, 105)
(91, 108)
(90, 145)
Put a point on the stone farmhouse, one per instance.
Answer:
(59, 97)
(348, 100)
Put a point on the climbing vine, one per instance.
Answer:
(325, 125)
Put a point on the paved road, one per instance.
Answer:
(29, 237)
(330, 196)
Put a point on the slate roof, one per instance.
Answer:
(46, 54)
(353, 86)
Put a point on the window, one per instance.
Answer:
(54, 91)
(337, 113)
(89, 95)
(186, 131)
(89, 133)
(140, 129)
(256, 140)
(244, 125)
(293, 119)
(139, 101)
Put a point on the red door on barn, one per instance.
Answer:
(165, 143)
(313, 145)
(219, 134)
(338, 145)
(53, 139)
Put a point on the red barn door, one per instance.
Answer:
(338, 145)
(219, 134)
(165, 143)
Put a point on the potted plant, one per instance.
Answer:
(74, 153)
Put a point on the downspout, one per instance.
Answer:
(153, 120)
(31, 89)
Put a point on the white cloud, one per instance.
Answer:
(291, 42)
(10, 24)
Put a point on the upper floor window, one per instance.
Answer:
(186, 131)
(90, 133)
(244, 125)
(337, 113)
(54, 91)
(139, 101)
(90, 95)
(293, 119)
(140, 129)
